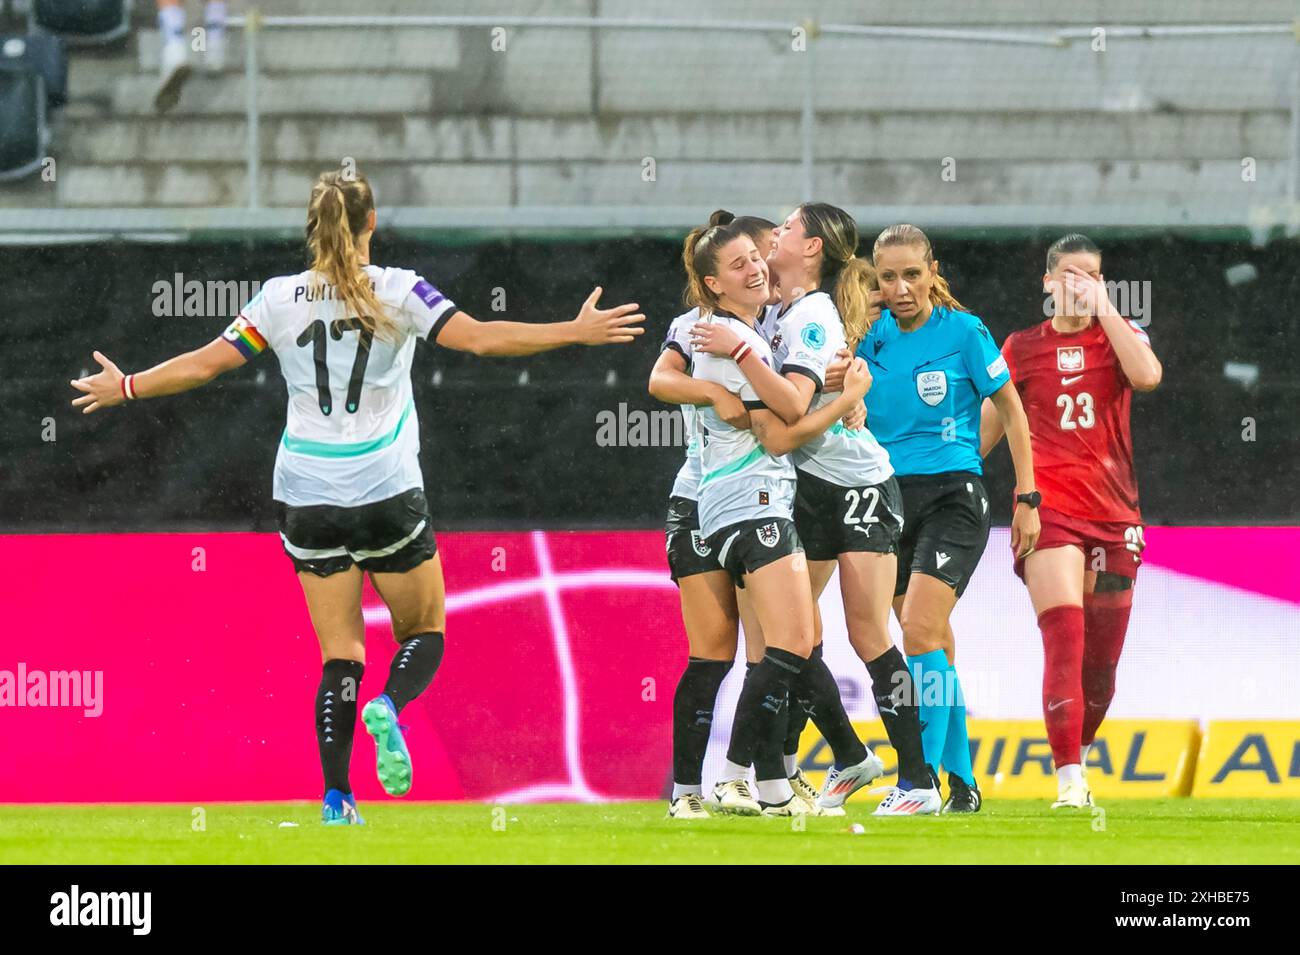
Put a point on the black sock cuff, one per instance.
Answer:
(718, 668)
(784, 659)
(339, 669)
(426, 633)
(883, 667)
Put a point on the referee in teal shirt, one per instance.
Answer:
(933, 363)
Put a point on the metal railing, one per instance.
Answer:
(254, 215)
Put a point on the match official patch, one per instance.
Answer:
(932, 386)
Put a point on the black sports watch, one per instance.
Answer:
(1033, 499)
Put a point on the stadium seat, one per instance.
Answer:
(82, 22)
(23, 133)
(42, 54)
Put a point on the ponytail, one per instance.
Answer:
(336, 215)
(852, 294)
(848, 278)
(700, 258)
(941, 294)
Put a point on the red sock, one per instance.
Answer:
(1105, 623)
(1062, 629)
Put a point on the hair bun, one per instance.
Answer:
(721, 217)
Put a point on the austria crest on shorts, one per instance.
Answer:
(932, 386)
(698, 545)
(769, 535)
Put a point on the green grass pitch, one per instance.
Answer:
(1163, 831)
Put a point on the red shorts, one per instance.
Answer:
(1108, 546)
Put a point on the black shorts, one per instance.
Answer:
(945, 527)
(688, 552)
(750, 545)
(388, 537)
(833, 520)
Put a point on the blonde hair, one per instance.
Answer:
(336, 215)
(904, 234)
(852, 278)
(700, 258)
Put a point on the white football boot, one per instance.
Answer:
(842, 783)
(909, 802)
(690, 806)
(1073, 794)
(796, 805)
(734, 796)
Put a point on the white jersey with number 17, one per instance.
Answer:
(352, 435)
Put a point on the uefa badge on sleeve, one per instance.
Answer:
(769, 535)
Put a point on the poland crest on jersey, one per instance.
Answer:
(769, 535)
(932, 386)
(1069, 358)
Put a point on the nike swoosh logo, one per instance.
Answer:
(1070, 381)
(1052, 707)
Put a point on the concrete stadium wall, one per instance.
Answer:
(568, 116)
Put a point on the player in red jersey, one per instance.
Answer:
(1076, 374)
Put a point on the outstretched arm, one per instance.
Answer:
(106, 388)
(593, 326)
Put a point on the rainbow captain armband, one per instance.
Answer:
(245, 337)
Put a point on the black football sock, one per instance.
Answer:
(761, 714)
(697, 691)
(413, 668)
(891, 685)
(819, 694)
(336, 719)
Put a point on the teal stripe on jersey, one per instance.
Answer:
(737, 465)
(322, 449)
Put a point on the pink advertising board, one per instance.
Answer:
(196, 667)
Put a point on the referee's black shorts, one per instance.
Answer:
(390, 536)
(945, 527)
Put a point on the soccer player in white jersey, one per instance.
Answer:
(746, 497)
(848, 508)
(348, 488)
(711, 605)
